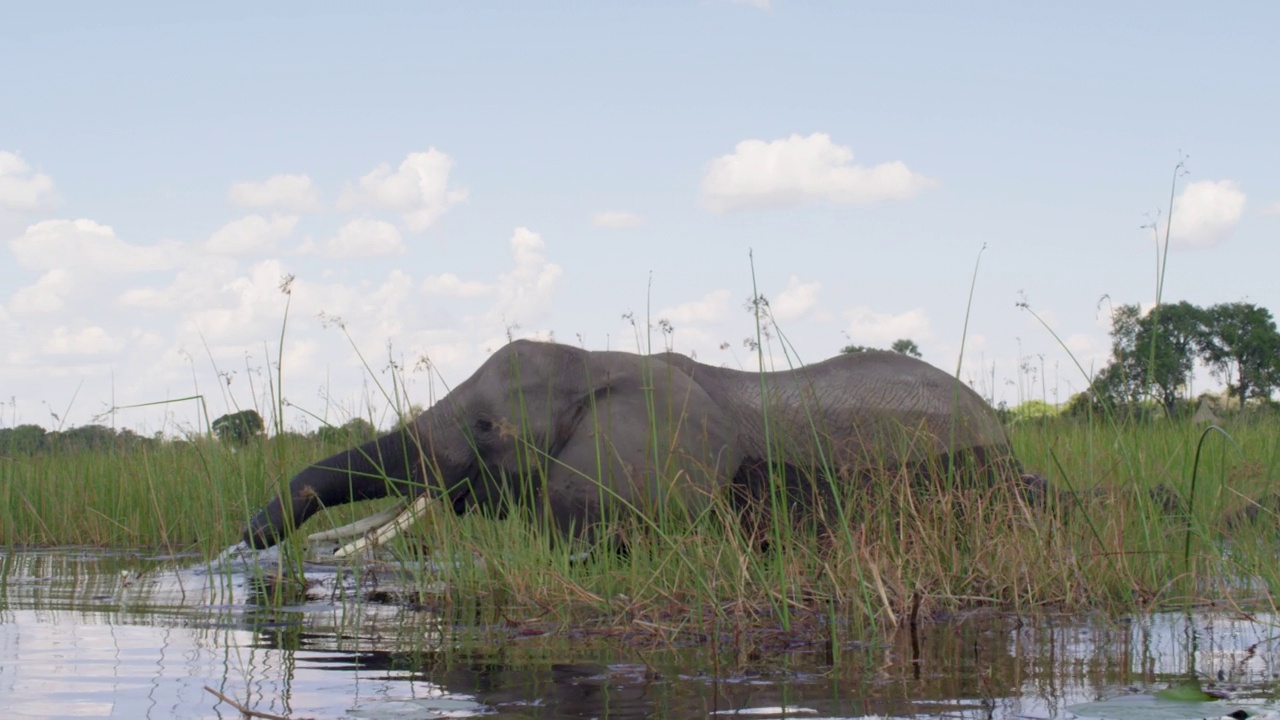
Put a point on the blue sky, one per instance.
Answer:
(439, 176)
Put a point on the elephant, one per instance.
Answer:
(581, 437)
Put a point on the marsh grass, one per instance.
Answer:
(175, 495)
(1121, 534)
(1123, 539)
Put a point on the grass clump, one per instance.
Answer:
(1122, 536)
(187, 494)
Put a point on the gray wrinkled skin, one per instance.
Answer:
(579, 436)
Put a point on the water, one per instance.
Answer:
(94, 634)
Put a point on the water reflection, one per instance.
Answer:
(88, 634)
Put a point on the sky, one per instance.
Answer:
(427, 180)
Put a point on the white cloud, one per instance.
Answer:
(47, 295)
(450, 285)
(1272, 209)
(92, 340)
(796, 301)
(797, 170)
(1206, 213)
(364, 238)
(143, 297)
(694, 328)
(419, 190)
(72, 308)
(525, 293)
(867, 327)
(251, 234)
(712, 308)
(62, 244)
(521, 295)
(759, 4)
(1087, 346)
(239, 309)
(22, 190)
(615, 220)
(288, 193)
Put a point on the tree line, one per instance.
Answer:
(31, 439)
(235, 429)
(1154, 354)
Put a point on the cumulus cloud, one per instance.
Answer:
(419, 189)
(251, 234)
(91, 340)
(695, 328)
(190, 311)
(81, 266)
(796, 301)
(241, 308)
(21, 189)
(450, 285)
(1206, 213)
(867, 327)
(712, 308)
(798, 170)
(47, 295)
(365, 238)
(143, 297)
(521, 295)
(63, 244)
(287, 193)
(615, 220)
(525, 293)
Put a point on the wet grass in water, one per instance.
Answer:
(1120, 535)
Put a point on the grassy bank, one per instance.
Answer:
(1106, 541)
(173, 495)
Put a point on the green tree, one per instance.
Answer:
(1030, 410)
(1166, 346)
(84, 437)
(906, 346)
(409, 415)
(1152, 355)
(1112, 389)
(1241, 346)
(22, 440)
(353, 432)
(239, 428)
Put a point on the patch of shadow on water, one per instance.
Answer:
(134, 635)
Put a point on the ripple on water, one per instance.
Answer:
(90, 634)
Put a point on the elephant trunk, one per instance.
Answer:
(375, 469)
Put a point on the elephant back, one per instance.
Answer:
(867, 408)
(899, 408)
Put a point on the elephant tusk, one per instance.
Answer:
(358, 527)
(387, 531)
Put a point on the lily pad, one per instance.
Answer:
(1188, 690)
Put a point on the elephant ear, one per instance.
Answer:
(581, 382)
(645, 436)
(616, 378)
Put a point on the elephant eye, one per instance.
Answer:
(483, 425)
